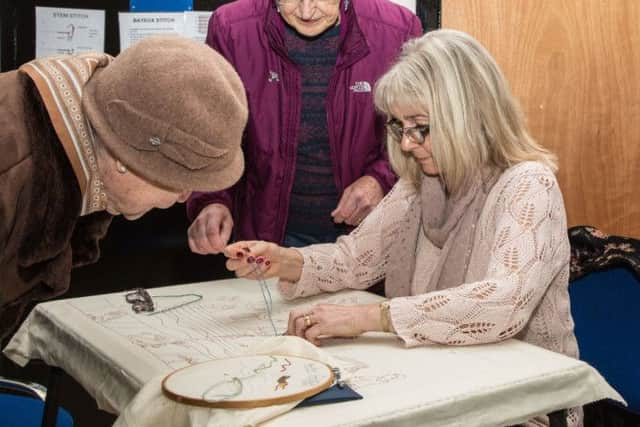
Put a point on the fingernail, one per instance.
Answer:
(259, 260)
(250, 260)
(239, 254)
(267, 263)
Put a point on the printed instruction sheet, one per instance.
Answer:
(137, 26)
(61, 31)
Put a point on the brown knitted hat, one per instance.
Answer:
(173, 111)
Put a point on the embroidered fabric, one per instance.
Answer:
(515, 286)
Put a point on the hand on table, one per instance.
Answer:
(211, 230)
(330, 320)
(357, 201)
(248, 258)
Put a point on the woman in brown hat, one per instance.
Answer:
(87, 137)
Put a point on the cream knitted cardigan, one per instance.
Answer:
(515, 286)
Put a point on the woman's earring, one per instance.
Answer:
(120, 167)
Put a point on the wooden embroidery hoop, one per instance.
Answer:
(173, 389)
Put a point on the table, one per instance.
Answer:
(112, 352)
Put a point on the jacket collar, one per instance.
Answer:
(60, 81)
(353, 43)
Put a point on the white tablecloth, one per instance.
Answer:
(113, 352)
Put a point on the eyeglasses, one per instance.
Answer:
(140, 300)
(416, 133)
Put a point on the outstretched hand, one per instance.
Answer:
(255, 257)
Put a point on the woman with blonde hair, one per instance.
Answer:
(472, 240)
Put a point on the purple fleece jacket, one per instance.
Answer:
(249, 33)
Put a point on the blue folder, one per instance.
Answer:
(331, 395)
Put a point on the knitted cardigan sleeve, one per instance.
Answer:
(359, 259)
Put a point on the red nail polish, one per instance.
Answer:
(259, 260)
(267, 263)
(239, 254)
(250, 260)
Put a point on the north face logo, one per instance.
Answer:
(273, 77)
(362, 86)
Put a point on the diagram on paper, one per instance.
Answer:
(63, 31)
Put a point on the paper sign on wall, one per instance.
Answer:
(61, 31)
(137, 26)
(196, 25)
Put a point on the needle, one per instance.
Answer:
(266, 295)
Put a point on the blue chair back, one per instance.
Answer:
(25, 411)
(606, 309)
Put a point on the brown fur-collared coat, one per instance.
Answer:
(42, 235)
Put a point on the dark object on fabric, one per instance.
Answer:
(42, 235)
(593, 250)
(173, 111)
(604, 307)
(333, 394)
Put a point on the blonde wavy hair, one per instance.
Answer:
(475, 122)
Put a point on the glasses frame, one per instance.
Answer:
(292, 4)
(417, 134)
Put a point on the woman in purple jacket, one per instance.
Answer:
(315, 161)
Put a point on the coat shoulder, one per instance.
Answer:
(241, 11)
(526, 171)
(14, 141)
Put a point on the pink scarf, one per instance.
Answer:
(449, 223)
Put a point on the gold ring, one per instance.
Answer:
(307, 320)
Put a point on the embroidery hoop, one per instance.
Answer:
(260, 378)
